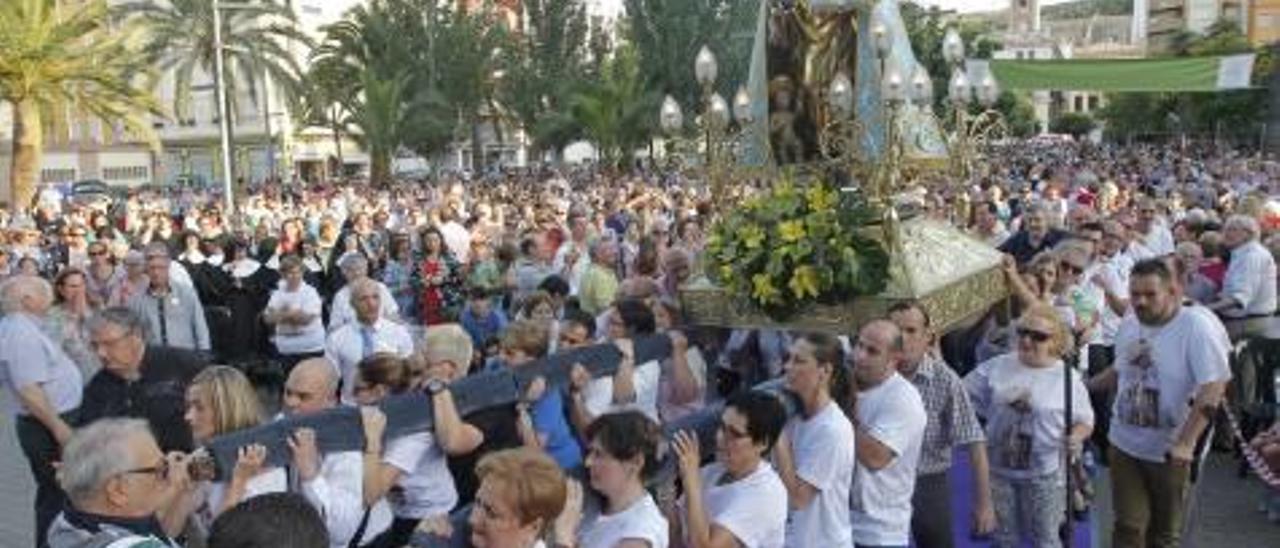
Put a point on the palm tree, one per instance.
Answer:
(616, 112)
(379, 113)
(59, 59)
(257, 38)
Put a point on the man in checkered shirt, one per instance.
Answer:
(952, 422)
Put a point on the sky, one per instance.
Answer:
(612, 7)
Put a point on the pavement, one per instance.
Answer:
(1226, 513)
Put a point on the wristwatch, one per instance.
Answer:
(436, 386)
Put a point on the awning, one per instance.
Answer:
(1181, 74)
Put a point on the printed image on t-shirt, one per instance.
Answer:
(1016, 440)
(1139, 399)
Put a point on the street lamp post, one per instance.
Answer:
(224, 121)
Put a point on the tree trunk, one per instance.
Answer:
(1273, 121)
(379, 168)
(28, 138)
(477, 150)
(337, 144)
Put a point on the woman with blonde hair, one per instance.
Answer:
(221, 400)
(522, 493)
(1021, 396)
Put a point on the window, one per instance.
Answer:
(55, 175)
(1093, 102)
(123, 173)
(1079, 102)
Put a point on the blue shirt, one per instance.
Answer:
(549, 422)
(484, 329)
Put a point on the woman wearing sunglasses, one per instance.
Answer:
(738, 500)
(1020, 395)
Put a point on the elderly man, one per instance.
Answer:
(44, 388)
(599, 282)
(332, 482)
(139, 380)
(1247, 301)
(172, 311)
(1035, 236)
(889, 424)
(355, 268)
(369, 334)
(1153, 232)
(124, 492)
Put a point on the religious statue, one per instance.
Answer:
(787, 147)
(810, 41)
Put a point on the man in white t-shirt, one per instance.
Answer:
(1152, 230)
(889, 424)
(1167, 355)
(1247, 302)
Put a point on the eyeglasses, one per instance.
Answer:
(1035, 336)
(1071, 269)
(97, 252)
(160, 471)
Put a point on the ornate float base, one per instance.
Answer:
(955, 278)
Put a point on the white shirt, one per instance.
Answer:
(1160, 369)
(1251, 279)
(1115, 276)
(880, 501)
(273, 480)
(753, 509)
(293, 339)
(457, 239)
(343, 313)
(1159, 239)
(337, 492)
(1028, 444)
(824, 458)
(597, 395)
(345, 348)
(425, 488)
(640, 521)
(28, 357)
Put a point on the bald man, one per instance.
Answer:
(332, 482)
(890, 420)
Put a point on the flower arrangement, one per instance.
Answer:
(793, 246)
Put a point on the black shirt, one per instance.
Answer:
(159, 395)
(499, 427)
(1019, 245)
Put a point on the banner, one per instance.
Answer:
(1182, 74)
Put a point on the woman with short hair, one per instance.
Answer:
(622, 454)
(1020, 395)
(522, 492)
(738, 500)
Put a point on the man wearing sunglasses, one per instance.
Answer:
(124, 492)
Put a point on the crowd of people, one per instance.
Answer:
(137, 329)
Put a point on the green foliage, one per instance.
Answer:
(616, 112)
(256, 38)
(1239, 111)
(668, 34)
(548, 64)
(793, 247)
(57, 63)
(1075, 124)
(1018, 112)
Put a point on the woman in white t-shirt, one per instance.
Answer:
(622, 453)
(737, 500)
(294, 311)
(1021, 396)
(411, 472)
(815, 455)
(221, 400)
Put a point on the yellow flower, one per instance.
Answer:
(763, 289)
(821, 199)
(804, 281)
(752, 236)
(792, 231)
(726, 272)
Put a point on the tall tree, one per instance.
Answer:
(617, 111)
(59, 58)
(256, 38)
(545, 65)
(667, 35)
(380, 113)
